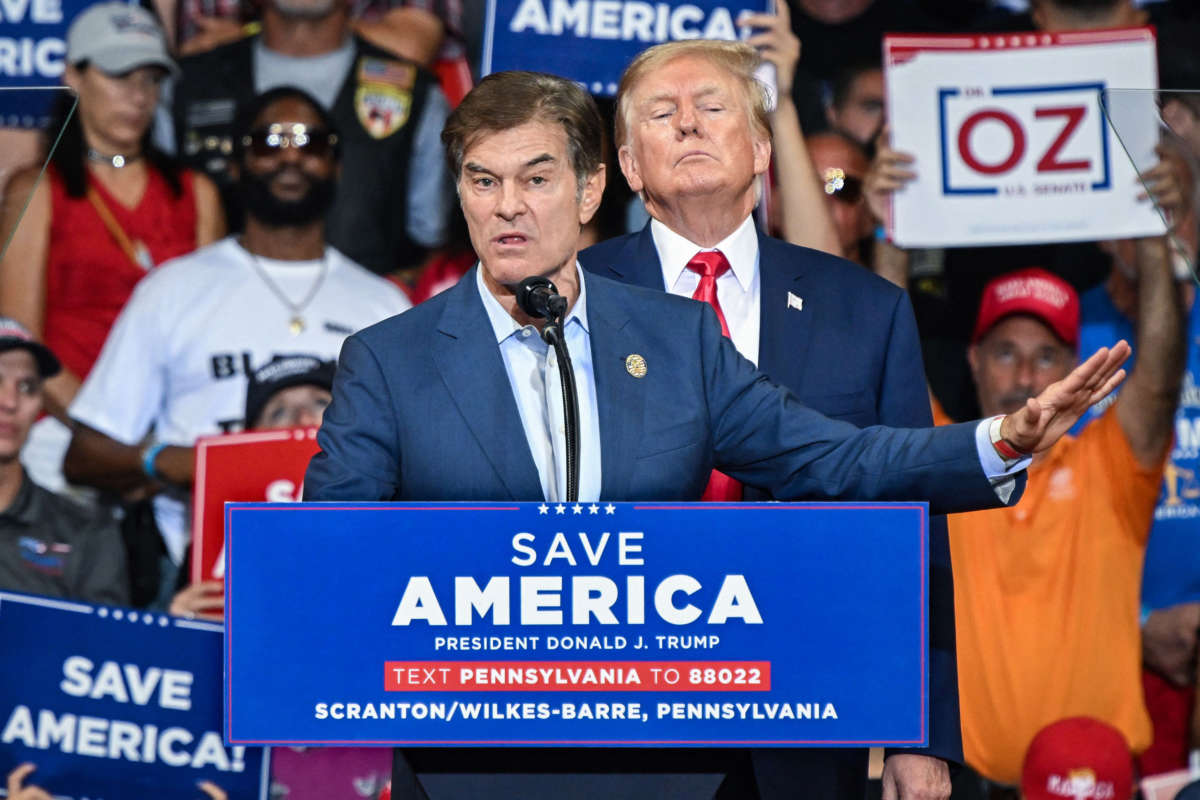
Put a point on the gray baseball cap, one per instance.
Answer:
(118, 37)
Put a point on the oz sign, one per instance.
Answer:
(1043, 139)
(1019, 139)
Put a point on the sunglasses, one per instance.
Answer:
(269, 141)
(840, 186)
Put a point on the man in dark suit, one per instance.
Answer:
(693, 135)
(455, 400)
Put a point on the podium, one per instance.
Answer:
(598, 625)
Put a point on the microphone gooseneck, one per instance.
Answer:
(539, 298)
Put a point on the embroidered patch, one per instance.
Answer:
(382, 108)
(382, 70)
(48, 559)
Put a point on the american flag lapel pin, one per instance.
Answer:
(795, 301)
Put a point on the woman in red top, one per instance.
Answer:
(112, 206)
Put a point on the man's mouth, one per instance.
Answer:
(510, 239)
(693, 154)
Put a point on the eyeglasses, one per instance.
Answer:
(840, 186)
(266, 142)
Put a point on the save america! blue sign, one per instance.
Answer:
(576, 624)
(115, 703)
(592, 41)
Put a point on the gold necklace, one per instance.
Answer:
(297, 324)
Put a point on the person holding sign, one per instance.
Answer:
(842, 339)
(446, 401)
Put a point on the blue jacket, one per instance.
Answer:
(422, 410)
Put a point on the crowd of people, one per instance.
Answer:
(244, 188)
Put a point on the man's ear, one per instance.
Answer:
(762, 153)
(629, 168)
(593, 193)
(973, 361)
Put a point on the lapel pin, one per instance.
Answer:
(635, 365)
(795, 301)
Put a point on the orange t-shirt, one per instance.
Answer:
(1046, 601)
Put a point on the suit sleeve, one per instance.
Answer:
(904, 402)
(359, 457)
(764, 436)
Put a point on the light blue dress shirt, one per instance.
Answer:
(533, 373)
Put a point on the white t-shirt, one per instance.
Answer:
(177, 357)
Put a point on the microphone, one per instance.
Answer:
(537, 297)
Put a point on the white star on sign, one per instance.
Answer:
(593, 509)
(543, 509)
(610, 509)
(560, 509)
(578, 509)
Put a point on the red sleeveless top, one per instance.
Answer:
(88, 275)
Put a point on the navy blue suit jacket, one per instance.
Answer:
(422, 410)
(853, 354)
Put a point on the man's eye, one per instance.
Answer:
(27, 387)
(537, 180)
(484, 182)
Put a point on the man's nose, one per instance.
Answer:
(308, 418)
(512, 201)
(9, 394)
(1026, 372)
(689, 121)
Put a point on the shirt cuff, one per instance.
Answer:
(1001, 473)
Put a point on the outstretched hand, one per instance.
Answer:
(1045, 418)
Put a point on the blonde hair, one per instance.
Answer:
(738, 59)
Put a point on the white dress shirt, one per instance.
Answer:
(738, 290)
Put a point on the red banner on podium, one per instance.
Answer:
(244, 467)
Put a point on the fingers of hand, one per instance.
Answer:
(17, 777)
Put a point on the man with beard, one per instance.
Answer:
(175, 365)
(396, 196)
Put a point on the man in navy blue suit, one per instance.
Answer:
(458, 398)
(693, 135)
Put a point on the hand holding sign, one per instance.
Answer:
(776, 42)
(18, 791)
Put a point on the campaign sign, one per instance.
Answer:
(1011, 139)
(255, 466)
(586, 624)
(116, 704)
(33, 49)
(592, 41)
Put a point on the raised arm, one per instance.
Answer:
(1147, 403)
(805, 216)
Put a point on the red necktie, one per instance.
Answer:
(710, 265)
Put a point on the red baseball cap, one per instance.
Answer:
(1035, 292)
(1079, 758)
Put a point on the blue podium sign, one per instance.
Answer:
(592, 41)
(116, 704)
(586, 624)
